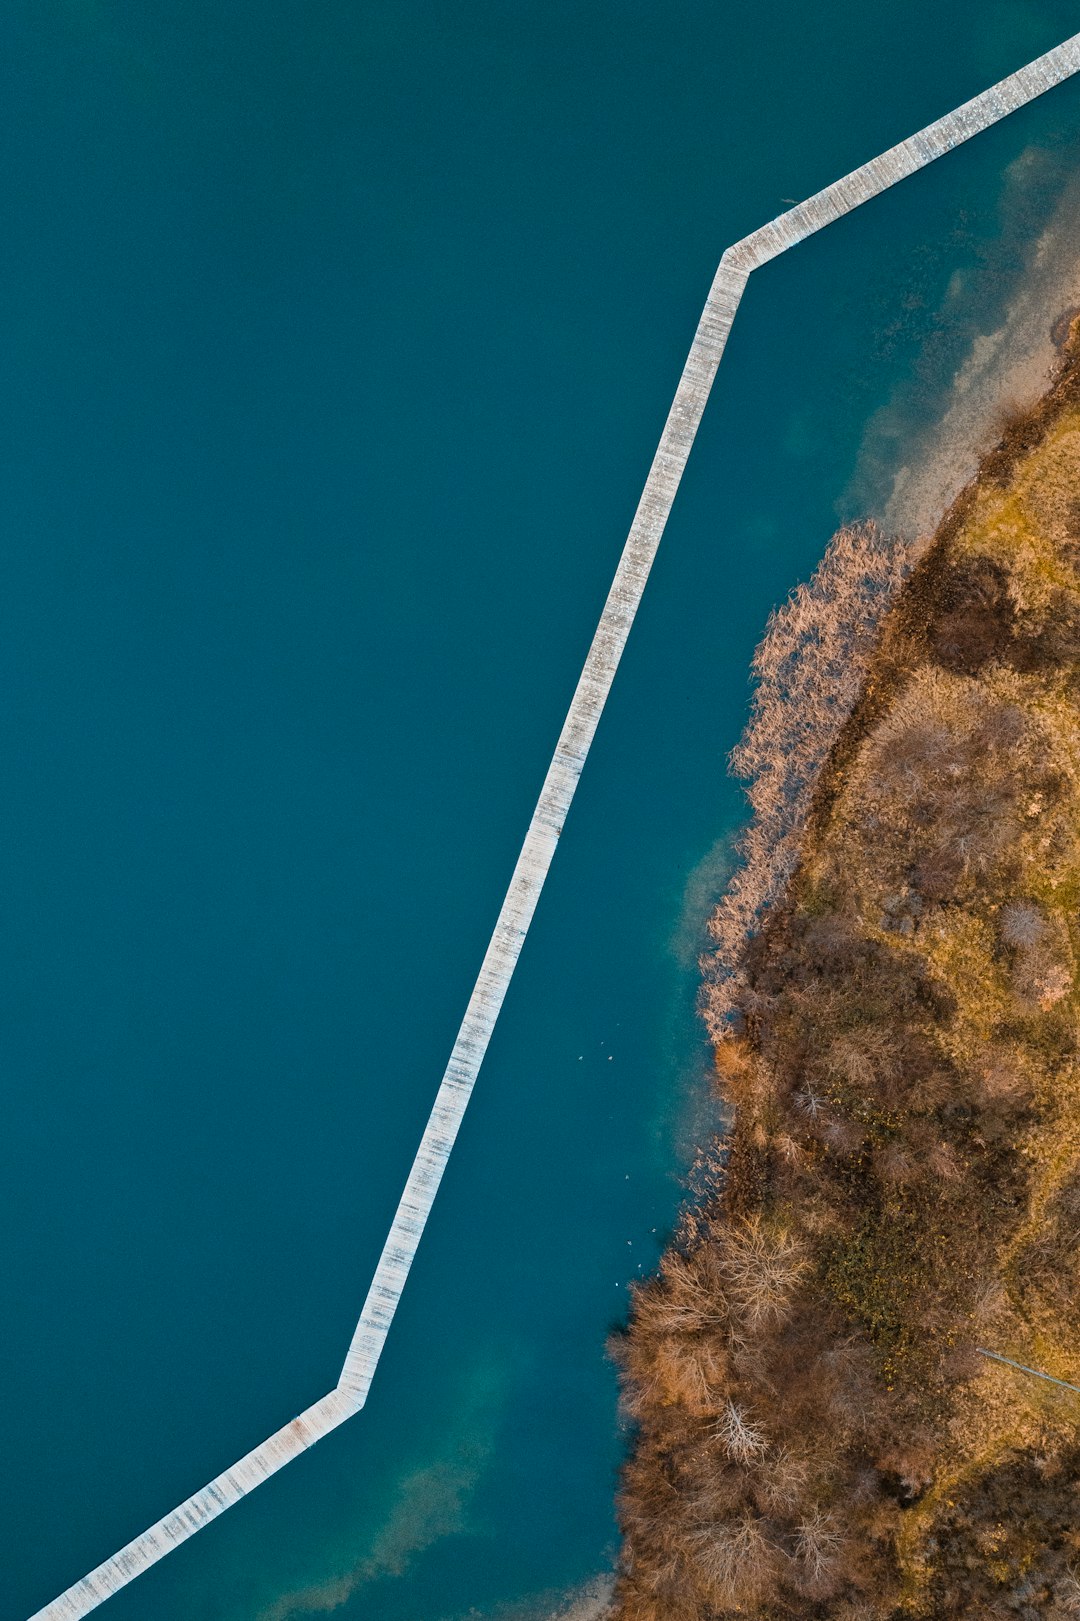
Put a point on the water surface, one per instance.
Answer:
(336, 344)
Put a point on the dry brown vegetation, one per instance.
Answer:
(816, 1433)
(809, 668)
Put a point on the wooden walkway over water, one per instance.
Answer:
(547, 821)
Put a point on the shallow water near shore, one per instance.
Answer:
(337, 347)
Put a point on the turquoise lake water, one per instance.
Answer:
(336, 343)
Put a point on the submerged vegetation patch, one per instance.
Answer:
(894, 1003)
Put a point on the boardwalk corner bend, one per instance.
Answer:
(532, 866)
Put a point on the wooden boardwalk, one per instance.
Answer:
(516, 914)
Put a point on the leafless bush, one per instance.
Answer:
(1022, 924)
(790, 1151)
(732, 1560)
(689, 1372)
(740, 1438)
(761, 1268)
(842, 1136)
(935, 781)
(976, 624)
(690, 1296)
(810, 1103)
(941, 1162)
(783, 1484)
(1002, 1081)
(862, 1610)
(865, 1058)
(958, 774)
(1067, 1594)
(1040, 978)
(817, 1543)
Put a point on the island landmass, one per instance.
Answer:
(820, 1426)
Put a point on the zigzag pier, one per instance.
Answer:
(517, 910)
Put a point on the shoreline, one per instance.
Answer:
(818, 1424)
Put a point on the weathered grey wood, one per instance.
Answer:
(533, 863)
(914, 153)
(228, 1488)
(532, 866)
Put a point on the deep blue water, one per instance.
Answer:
(336, 342)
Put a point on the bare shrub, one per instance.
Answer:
(940, 785)
(962, 1365)
(911, 1461)
(922, 747)
(790, 1151)
(817, 1544)
(690, 1296)
(938, 872)
(810, 1103)
(1040, 978)
(894, 1165)
(977, 623)
(1001, 1081)
(782, 1486)
(689, 1372)
(865, 1058)
(760, 1267)
(990, 1298)
(1067, 1594)
(732, 1561)
(842, 1136)
(740, 1438)
(1022, 924)
(942, 1162)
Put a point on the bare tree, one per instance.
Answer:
(817, 1543)
(740, 1438)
